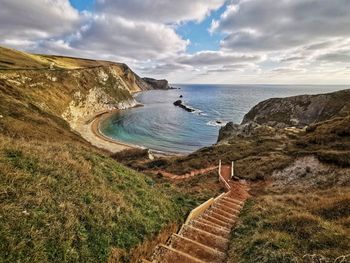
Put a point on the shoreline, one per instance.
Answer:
(95, 128)
(90, 131)
(88, 128)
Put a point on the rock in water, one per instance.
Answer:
(179, 103)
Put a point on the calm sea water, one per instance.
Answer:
(159, 125)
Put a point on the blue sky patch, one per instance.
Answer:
(198, 34)
(82, 5)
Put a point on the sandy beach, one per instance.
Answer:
(89, 130)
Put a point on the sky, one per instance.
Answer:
(192, 41)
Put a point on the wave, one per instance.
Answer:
(194, 110)
(217, 123)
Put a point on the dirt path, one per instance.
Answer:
(193, 173)
(205, 238)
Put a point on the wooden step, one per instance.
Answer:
(211, 229)
(216, 221)
(197, 249)
(228, 209)
(168, 254)
(204, 221)
(233, 200)
(221, 217)
(204, 237)
(223, 212)
(229, 204)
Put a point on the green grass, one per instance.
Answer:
(62, 200)
(64, 203)
(286, 227)
(256, 156)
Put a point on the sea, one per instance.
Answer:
(163, 127)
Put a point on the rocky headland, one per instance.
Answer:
(157, 84)
(76, 202)
(297, 112)
(300, 111)
(77, 90)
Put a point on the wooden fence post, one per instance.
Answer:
(232, 169)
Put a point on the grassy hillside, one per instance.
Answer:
(64, 203)
(14, 59)
(62, 200)
(304, 219)
(67, 202)
(299, 211)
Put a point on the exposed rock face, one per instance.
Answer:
(156, 84)
(231, 129)
(299, 111)
(97, 100)
(75, 89)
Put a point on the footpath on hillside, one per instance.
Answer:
(205, 235)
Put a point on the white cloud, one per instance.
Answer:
(275, 25)
(266, 41)
(25, 21)
(207, 58)
(126, 38)
(163, 11)
(336, 56)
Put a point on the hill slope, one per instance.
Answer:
(70, 88)
(300, 178)
(61, 199)
(300, 111)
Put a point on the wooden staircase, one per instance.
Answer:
(205, 238)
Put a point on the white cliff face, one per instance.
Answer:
(96, 101)
(78, 94)
(109, 92)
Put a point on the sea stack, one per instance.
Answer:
(179, 103)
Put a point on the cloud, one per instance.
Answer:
(164, 69)
(233, 68)
(127, 38)
(261, 40)
(265, 25)
(162, 11)
(207, 58)
(287, 70)
(336, 56)
(23, 22)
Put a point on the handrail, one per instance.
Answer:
(199, 210)
(222, 179)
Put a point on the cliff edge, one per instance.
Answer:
(300, 111)
(74, 89)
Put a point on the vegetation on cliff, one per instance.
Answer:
(61, 199)
(303, 215)
(300, 111)
(299, 211)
